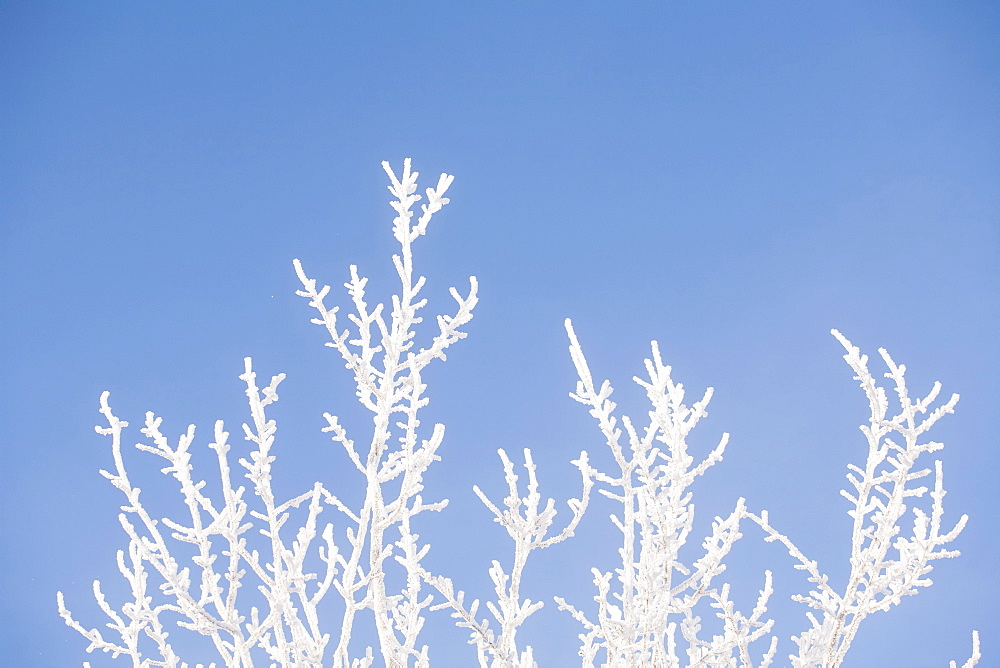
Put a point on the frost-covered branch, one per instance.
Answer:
(289, 631)
(387, 369)
(250, 568)
(654, 587)
(976, 654)
(886, 564)
(528, 525)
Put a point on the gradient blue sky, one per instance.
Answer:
(731, 179)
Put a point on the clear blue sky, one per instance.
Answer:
(731, 179)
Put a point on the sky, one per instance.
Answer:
(732, 180)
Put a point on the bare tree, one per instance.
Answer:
(238, 540)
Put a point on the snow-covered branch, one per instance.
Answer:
(255, 571)
(654, 587)
(528, 526)
(886, 564)
(387, 369)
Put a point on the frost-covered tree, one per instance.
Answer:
(252, 580)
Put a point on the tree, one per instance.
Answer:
(647, 609)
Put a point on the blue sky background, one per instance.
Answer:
(731, 179)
